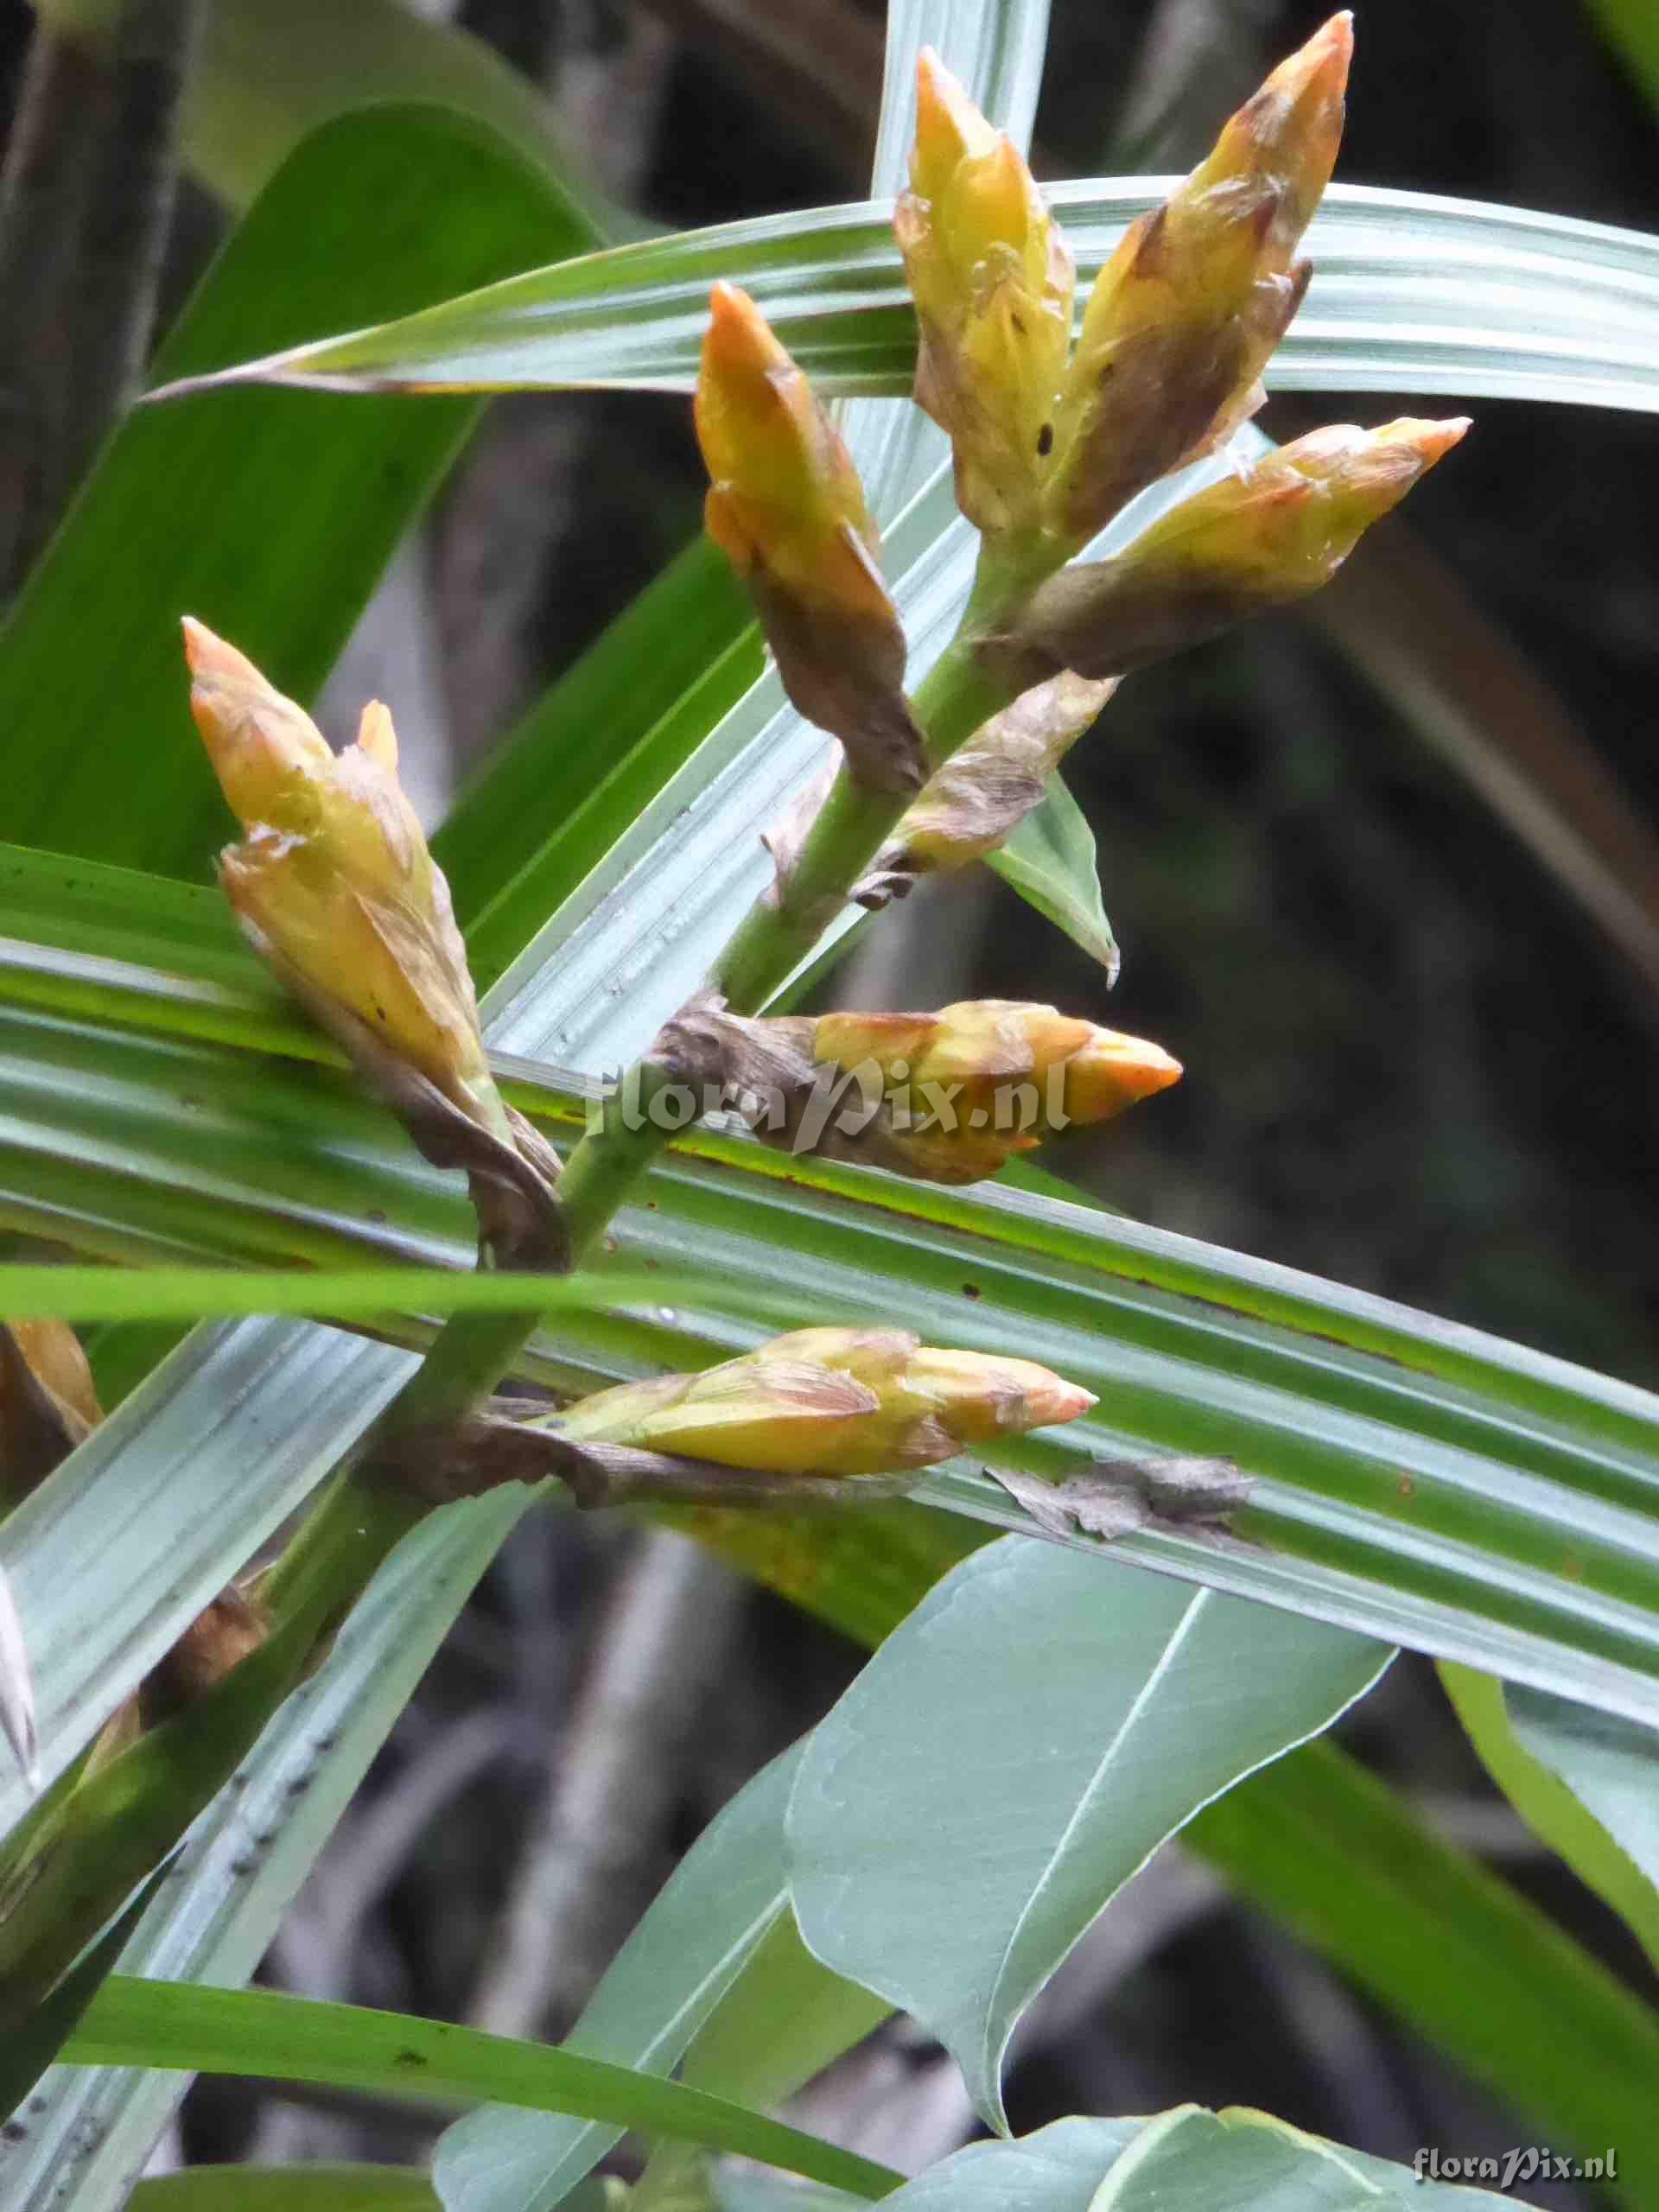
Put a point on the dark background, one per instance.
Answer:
(1414, 1061)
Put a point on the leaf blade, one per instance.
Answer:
(910, 1753)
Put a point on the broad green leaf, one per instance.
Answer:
(1193, 2161)
(1011, 1754)
(265, 77)
(312, 2188)
(693, 1943)
(1586, 1781)
(274, 2038)
(1057, 2170)
(1336, 1857)
(1412, 292)
(1049, 859)
(783, 2021)
(271, 518)
(245, 1857)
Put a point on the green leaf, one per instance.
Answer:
(270, 517)
(1415, 1480)
(692, 1944)
(274, 2038)
(164, 1294)
(312, 2188)
(245, 1856)
(263, 78)
(1412, 292)
(1057, 2170)
(287, 2188)
(1586, 1783)
(1336, 1856)
(30, 2048)
(784, 2019)
(1049, 859)
(593, 751)
(1055, 1719)
(1194, 2161)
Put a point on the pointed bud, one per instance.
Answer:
(830, 1402)
(966, 1089)
(786, 508)
(1259, 539)
(336, 891)
(989, 784)
(992, 281)
(1185, 315)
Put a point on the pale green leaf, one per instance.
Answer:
(1011, 1754)
(1587, 1782)
(692, 1945)
(1049, 859)
(1412, 292)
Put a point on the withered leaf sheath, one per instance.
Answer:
(1185, 315)
(1262, 538)
(988, 786)
(334, 888)
(830, 1402)
(785, 506)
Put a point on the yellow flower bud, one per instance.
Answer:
(1187, 313)
(1260, 539)
(992, 280)
(967, 1088)
(830, 1402)
(335, 889)
(786, 508)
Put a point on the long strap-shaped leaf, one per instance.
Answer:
(276, 2037)
(1421, 1481)
(1412, 292)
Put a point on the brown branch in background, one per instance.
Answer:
(1406, 617)
(595, 1841)
(43, 194)
(817, 64)
(86, 198)
(134, 183)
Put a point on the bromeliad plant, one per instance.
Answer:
(929, 1868)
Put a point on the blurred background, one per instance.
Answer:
(1384, 879)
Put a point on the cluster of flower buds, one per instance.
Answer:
(947, 1096)
(1260, 539)
(335, 890)
(992, 281)
(1050, 442)
(1178, 326)
(830, 1402)
(787, 509)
